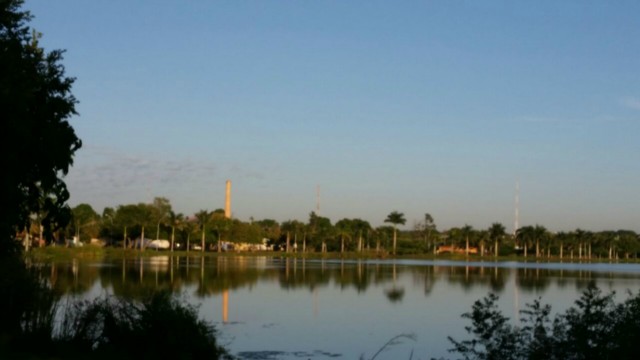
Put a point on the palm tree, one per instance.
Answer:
(455, 237)
(496, 233)
(424, 229)
(189, 226)
(203, 218)
(382, 234)
(582, 238)
(626, 242)
(562, 237)
(482, 238)
(144, 218)
(539, 233)
(160, 212)
(305, 230)
(525, 235)
(466, 231)
(344, 229)
(395, 218)
(177, 221)
(571, 241)
(360, 227)
(287, 227)
(291, 226)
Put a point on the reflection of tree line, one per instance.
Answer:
(467, 277)
(539, 279)
(136, 278)
(71, 277)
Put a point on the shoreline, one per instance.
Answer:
(62, 253)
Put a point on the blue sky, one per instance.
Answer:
(414, 106)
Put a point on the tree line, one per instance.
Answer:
(208, 230)
(122, 225)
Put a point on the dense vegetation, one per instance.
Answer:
(38, 147)
(109, 328)
(120, 227)
(595, 328)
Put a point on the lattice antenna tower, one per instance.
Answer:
(318, 200)
(516, 223)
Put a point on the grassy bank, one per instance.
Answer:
(60, 253)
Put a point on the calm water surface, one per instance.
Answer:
(276, 308)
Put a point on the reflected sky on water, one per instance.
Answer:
(319, 309)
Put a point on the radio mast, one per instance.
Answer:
(516, 223)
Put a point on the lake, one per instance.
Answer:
(287, 308)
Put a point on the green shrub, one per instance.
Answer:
(595, 328)
(159, 327)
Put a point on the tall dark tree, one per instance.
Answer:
(467, 233)
(203, 217)
(540, 234)
(496, 233)
(270, 229)
(177, 222)
(562, 238)
(86, 222)
(130, 219)
(525, 236)
(344, 230)
(395, 218)
(161, 213)
(626, 241)
(290, 229)
(383, 234)
(321, 229)
(429, 227)
(360, 228)
(37, 145)
(37, 141)
(424, 228)
(221, 225)
(107, 219)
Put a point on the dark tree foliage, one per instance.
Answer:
(37, 146)
(38, 143)
(494, 337)
(595, 328)
(160, 327)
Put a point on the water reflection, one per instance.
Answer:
(341, 307)
(135, 277)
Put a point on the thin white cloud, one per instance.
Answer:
(631, 102)
(117, 171)
(106, 177)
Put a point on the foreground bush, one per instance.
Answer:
(161, 327)
(27, 307)
(595, 328)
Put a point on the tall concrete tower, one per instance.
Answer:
(227, 201)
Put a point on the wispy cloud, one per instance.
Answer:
(105, 176)
(631, 102)
(110, 170)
